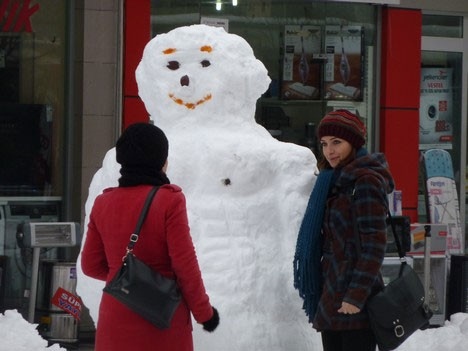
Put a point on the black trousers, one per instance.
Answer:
(348, 340)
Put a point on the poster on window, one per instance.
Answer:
(436, 109)
(301, 73)
(343, 70)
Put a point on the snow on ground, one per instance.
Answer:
(19, 335)
(453, 336)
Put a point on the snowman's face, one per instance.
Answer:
(200, 72)
(188, 75)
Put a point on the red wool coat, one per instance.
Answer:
(165, 244)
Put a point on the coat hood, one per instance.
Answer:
(367, 164)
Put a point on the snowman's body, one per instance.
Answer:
(246, 192)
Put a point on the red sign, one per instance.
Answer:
(68, 302)
(15, 17)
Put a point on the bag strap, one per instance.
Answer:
(401, 253)
(141, 219)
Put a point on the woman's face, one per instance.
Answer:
(335, 150)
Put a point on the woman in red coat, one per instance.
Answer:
(164, 243)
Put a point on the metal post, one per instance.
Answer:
(427, 262)
(34, 278)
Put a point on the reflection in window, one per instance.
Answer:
(442, 26)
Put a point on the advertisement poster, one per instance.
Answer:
(343, 69)
(301, 74)
(438, 241)
(442, 196)
(435, 111)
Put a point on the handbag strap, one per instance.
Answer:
(141, 219)
(401, 253)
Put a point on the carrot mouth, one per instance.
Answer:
(190, 105)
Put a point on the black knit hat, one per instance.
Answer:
(142, 145)
(345, 125)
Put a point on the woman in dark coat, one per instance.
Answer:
(341, 243)
(164, 243)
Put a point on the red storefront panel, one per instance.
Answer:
(399, 100)
(401, 58)
(137, 33)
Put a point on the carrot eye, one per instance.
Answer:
(205, 63)
(173, 65)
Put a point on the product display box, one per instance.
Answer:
(343, 78)
(301, 72)
(395, 201)
(438, 239)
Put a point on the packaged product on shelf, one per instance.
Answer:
(343, 78)
(301, 73)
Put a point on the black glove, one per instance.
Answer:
(211, 324)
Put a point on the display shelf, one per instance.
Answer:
(274, 101)
(437, 285)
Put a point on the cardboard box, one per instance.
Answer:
(438, 232)
(301, 73)
(343, 71)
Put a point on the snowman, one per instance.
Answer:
(246, 191)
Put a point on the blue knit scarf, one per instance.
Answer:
(307, 267)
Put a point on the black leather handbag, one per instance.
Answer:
(399, 309)
(142, 289)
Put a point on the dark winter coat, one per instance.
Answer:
(165, 244)
(361, 185)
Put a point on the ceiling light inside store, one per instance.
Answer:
(218, 5)
(234, 2)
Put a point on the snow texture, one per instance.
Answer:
(246, 191)
(19, 335)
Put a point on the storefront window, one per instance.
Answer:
(442, 124)
(32, 95)
(442, 26)
(33, 45)
(326, 36)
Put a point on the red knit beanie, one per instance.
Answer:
(345, 125)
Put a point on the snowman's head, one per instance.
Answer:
(200, 72)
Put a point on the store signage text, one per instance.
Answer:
(15, 16)
(68, 302)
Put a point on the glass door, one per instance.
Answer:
(443, 104)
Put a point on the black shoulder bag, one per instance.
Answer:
(142, 289)
(399, 309)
